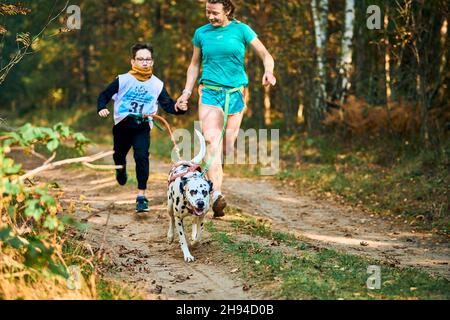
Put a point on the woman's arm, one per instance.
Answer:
(269, 63)
(192, 74)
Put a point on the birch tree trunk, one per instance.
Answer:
(443, 68)
(320, 18)
(347, 50)
(387, 65)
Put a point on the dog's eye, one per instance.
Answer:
(204, 193)
(193, 192)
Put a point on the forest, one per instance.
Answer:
(361, 104)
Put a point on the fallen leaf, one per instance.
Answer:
(182, 292)
(364, 243)
(246, 287)
(180, 278)
(157, 289)
(234, 270)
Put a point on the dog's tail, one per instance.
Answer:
(199, 157)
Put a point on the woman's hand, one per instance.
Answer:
(182, 102)
(269, 79)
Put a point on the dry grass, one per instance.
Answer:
(358, 117)
(18, 281)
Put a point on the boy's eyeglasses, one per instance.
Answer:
(142, 59)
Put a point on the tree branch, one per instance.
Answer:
(102, 167)
(53, 165)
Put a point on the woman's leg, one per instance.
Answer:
(233, 125)
(211, 122)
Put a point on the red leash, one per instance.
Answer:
(166, 124)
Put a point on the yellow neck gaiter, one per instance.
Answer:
(141, 74)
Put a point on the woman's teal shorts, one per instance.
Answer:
(217, 99)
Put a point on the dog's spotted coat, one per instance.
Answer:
(188, 195)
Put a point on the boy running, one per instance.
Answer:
(136, 93)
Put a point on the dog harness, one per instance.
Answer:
(191, 167)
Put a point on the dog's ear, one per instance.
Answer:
(182, 184)
(210, 186)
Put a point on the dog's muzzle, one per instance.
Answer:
(196, 211)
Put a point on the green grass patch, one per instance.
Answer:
(257, 228)
(308, 272)
(110, 290)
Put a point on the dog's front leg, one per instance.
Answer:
(194, 229)
(198, 226)
(171, 224)
(171, 215)
(184, 246)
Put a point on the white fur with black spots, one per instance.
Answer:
(188, 195)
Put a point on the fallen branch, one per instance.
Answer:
(32, 151)
(50, 159)
(53, 165)
(100, 251)
(102, 166)
(4, 137)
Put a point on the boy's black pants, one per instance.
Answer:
(129, 133)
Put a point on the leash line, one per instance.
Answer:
(208, 163)
(225, 120)
(166, 124)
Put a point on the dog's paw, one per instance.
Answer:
(189, 258)
(169, 239)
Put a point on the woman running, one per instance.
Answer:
(220, 46)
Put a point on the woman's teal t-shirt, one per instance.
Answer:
(223, 53)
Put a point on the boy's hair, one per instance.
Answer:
(139, 46)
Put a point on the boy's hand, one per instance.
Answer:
(103, 113)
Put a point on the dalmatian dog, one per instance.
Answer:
(188, 194)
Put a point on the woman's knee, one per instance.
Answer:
(229, 147)
(212, 136)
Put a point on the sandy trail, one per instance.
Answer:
(135, 245)
(139, 254)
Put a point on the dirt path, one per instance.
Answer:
(331, 225)
(136, 245)
(140, 255)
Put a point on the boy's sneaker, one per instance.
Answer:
(121, 176)
(219, 206)
(142, 204)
